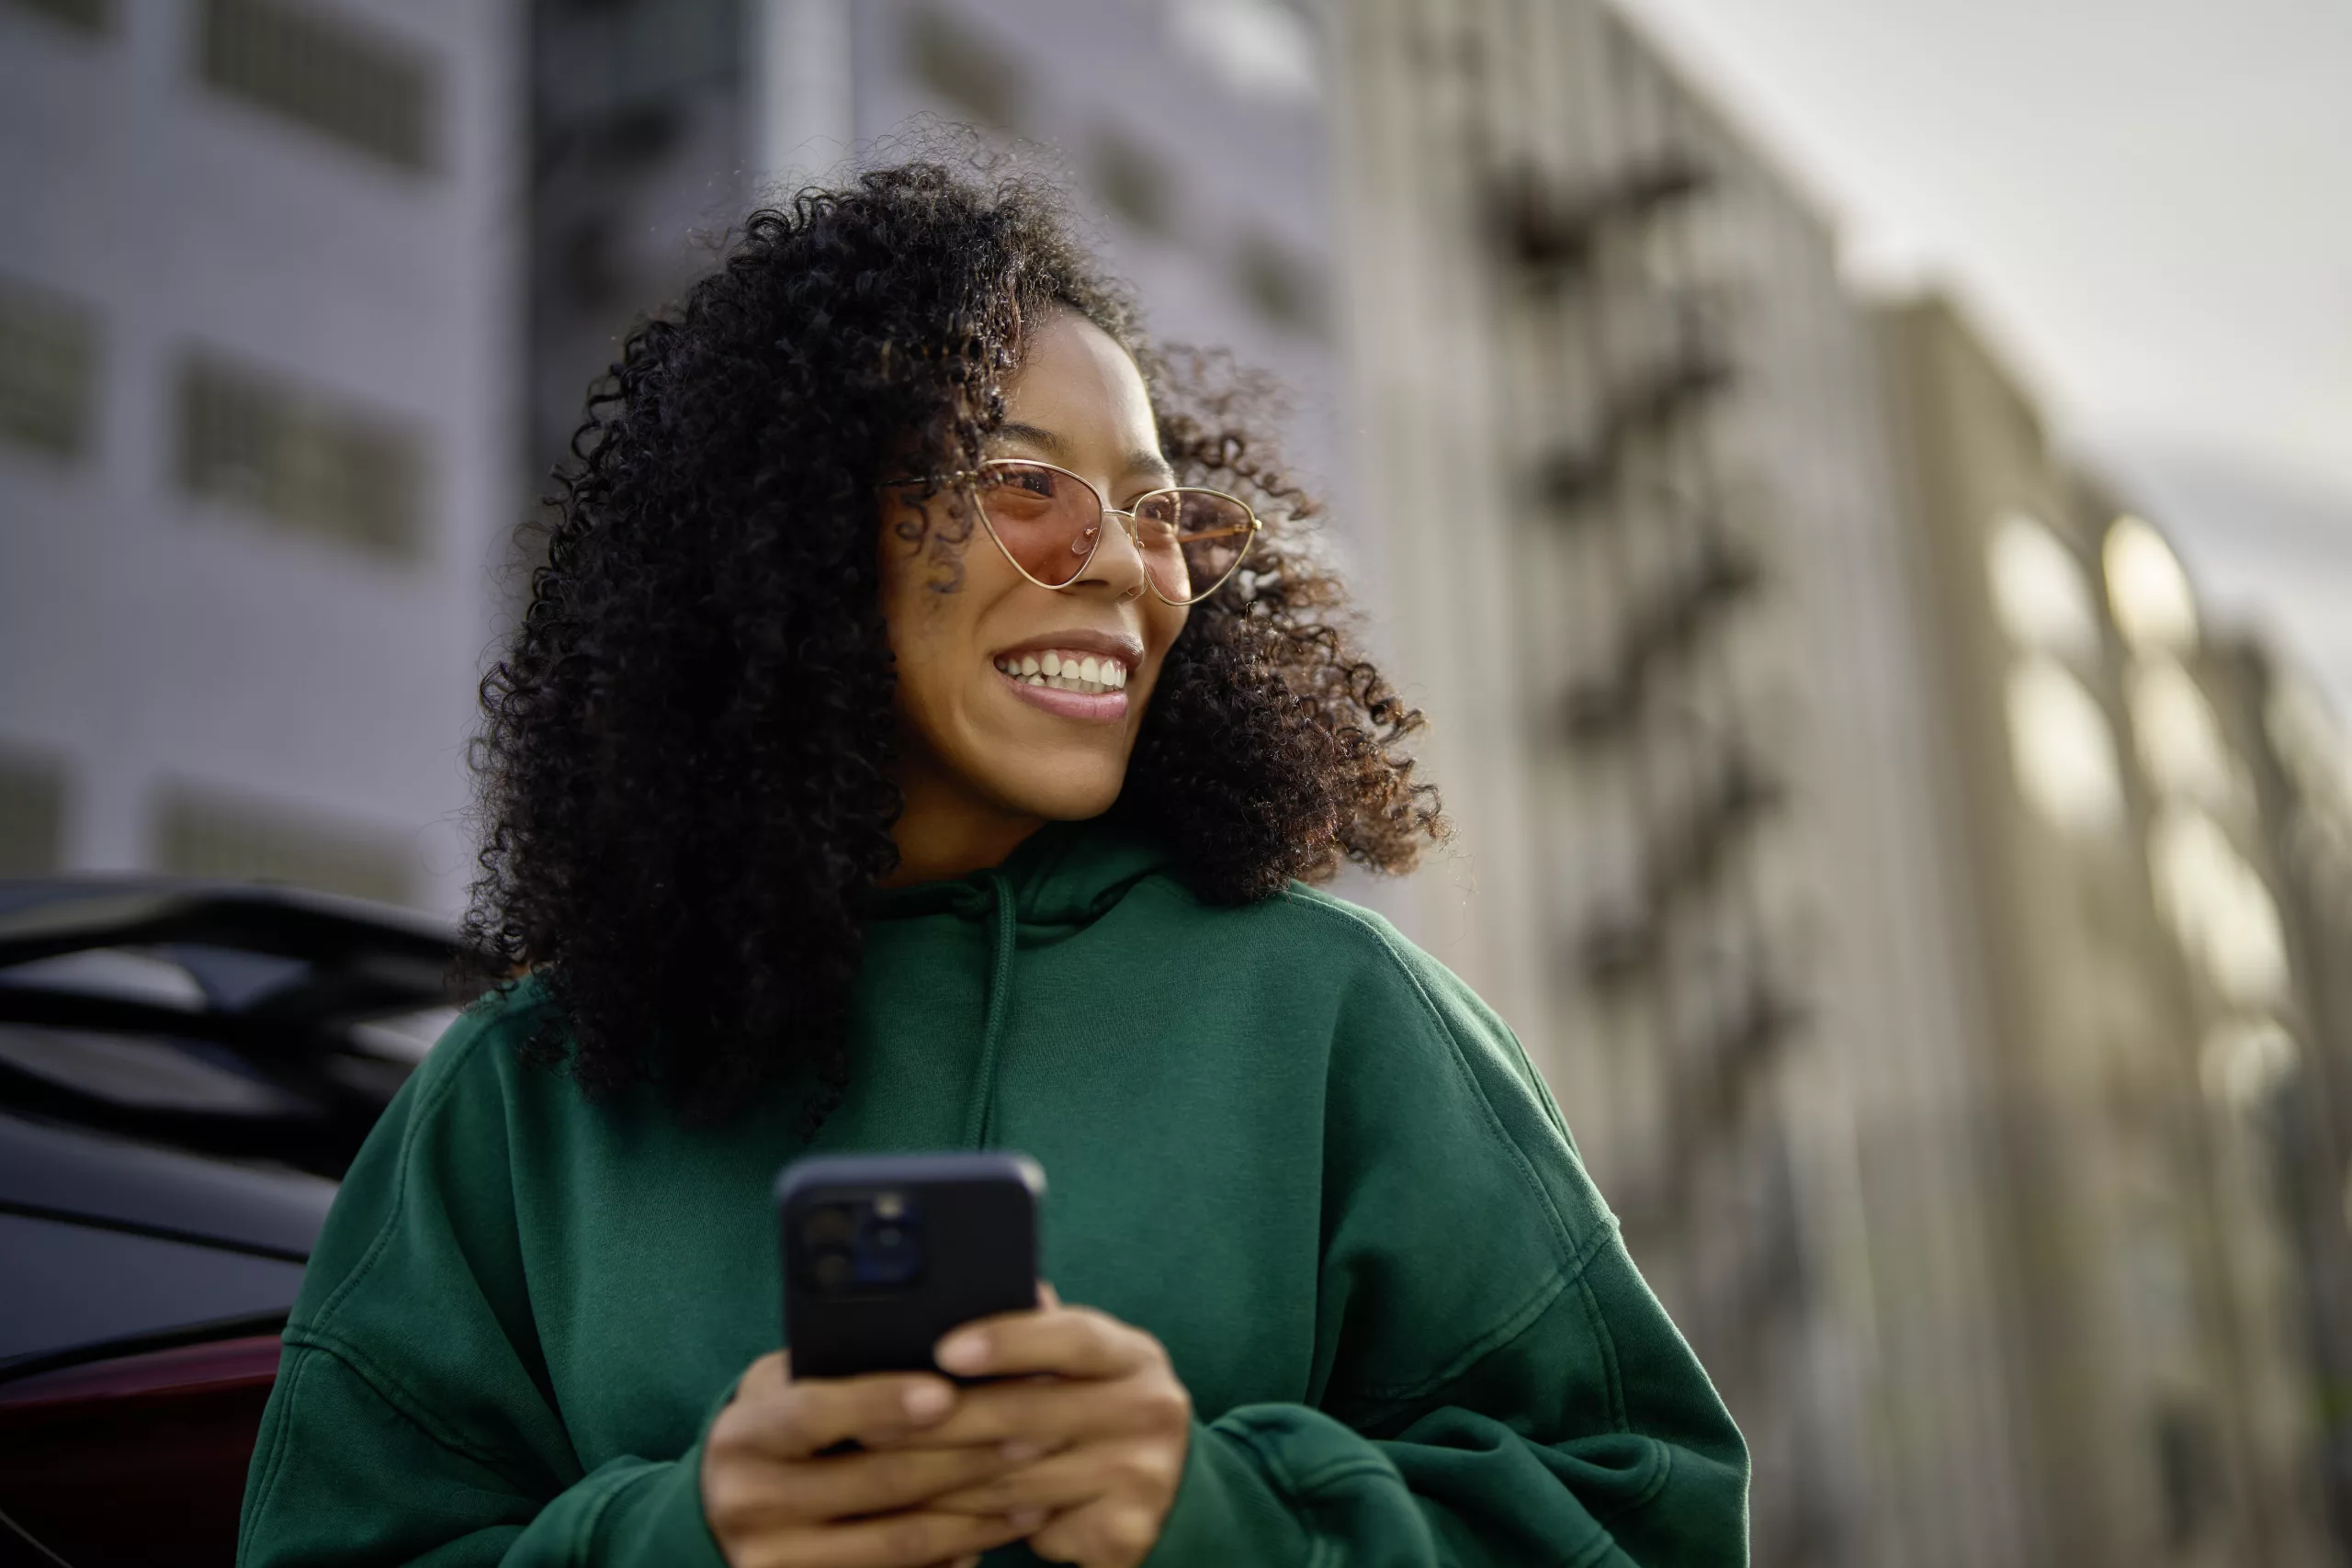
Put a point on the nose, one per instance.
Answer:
(1117, 560)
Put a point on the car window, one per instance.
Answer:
(143, 1071)
(70, 1286)
(125, 972)
(59, 1171)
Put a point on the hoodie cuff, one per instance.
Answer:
(657, 1517)
(1225, 1510)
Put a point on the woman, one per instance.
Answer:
(888, 760)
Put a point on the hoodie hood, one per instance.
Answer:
(1063, 878)
(1065, 874)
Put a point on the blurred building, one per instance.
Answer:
(256, 370)
(1621, 436)
(640, 126)
(2286, 1071)
(2096, 833)
(1807, 813)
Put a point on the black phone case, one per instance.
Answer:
(980, 1224)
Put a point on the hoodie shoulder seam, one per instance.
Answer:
(433, 1096)
(1569, 1244)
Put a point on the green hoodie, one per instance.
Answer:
(1281, 1138)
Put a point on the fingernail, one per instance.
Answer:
(965, 1352)
(1025, 1520)
(1019, 1452)
(926, 1401)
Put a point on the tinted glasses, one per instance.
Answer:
(1048, 522)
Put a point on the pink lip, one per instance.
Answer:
(1102, 707)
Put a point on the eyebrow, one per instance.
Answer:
(1143, 460)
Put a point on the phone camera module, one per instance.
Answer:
(889, 1248)
(862, 1244)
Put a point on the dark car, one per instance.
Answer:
(186, 1071)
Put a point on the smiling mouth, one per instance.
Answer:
(1086, 673)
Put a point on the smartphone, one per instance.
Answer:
(883, 1254)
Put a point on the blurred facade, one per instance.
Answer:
(1836, 840)
(2290, 1074)
(1620, 436)
(254, 449)
(2130, 965)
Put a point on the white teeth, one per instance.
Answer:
(1088, 674)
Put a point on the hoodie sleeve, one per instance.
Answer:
(410, 1421)
(1495, 1383)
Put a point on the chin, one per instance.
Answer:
(1062, 799)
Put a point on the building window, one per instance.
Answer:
(1279, 284)
(2040, 591)
(339, 78)
(90, 16)
(1134, 183)
(250, 441)
(2062, 747)
(48, 371)
(982, 80)
(32, 815)
(233, 839)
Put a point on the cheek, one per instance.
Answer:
(934, 598)
(930, 638)
(1163, 624)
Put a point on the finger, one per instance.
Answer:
(1071, 1342)
(793, 1420)
(1068, 1479)
(880, 1481)
(1111, 1532)
(1051, 1414)
(894, 1541)
(1048, 1296)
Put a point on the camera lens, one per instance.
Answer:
(832, 1270)
(888, 1237)
(830, 1225)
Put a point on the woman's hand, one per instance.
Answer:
(1095, 1416)
(776, 1498)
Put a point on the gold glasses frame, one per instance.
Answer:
(1128, 522)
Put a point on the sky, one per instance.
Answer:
(2147, 203)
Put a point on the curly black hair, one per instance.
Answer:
(686, 765)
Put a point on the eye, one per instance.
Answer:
(1035, 481)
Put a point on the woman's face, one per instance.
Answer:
(974, 735)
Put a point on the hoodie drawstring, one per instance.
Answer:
(1003, 928)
